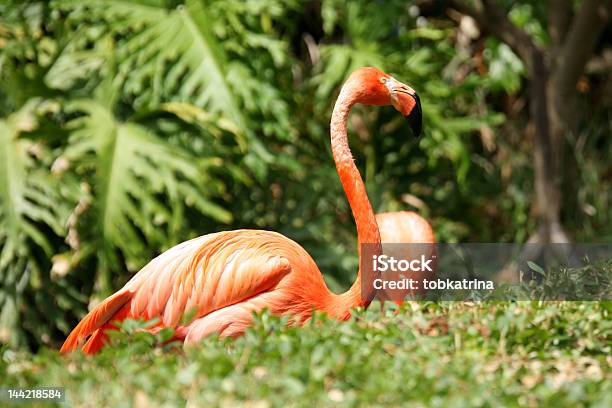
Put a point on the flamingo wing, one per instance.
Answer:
(200, 276)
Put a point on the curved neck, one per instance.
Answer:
(354, 188)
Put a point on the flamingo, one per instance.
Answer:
(405, 227)
(222, 278)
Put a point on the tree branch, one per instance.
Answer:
(492, 19)
(559, 15)
(581, 39)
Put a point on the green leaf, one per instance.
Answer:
(134, 169)
(192, 69)
(536, 268)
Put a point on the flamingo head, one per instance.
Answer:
(377, 88)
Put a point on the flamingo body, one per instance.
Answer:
(404, 227)
(221, 279)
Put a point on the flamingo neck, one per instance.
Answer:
(354, 188)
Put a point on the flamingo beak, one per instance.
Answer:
(407, 102)
(415, 117)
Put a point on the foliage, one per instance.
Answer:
(590, 282)
(137, 159)
(444, 354)
(130, 126)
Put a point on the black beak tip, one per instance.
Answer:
(415, 125)
(416, 117)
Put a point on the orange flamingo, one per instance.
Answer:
(222, 278)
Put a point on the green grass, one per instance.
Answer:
(428, 354)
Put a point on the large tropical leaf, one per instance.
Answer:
(192, 69)
(140, 183)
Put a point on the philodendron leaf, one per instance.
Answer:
(133, 170)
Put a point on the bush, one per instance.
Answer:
(426, 354)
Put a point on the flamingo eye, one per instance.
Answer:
(383, 80)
